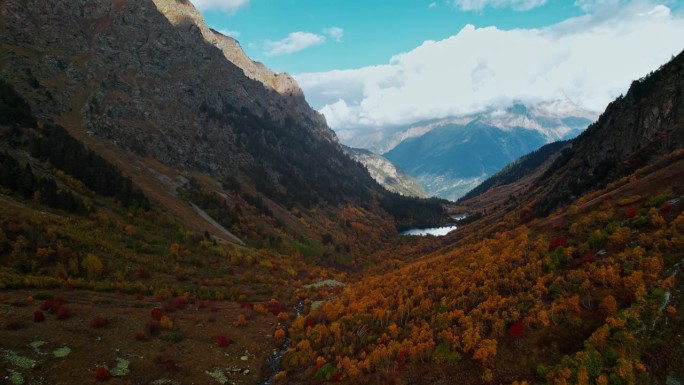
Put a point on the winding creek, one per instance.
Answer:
(273, 361)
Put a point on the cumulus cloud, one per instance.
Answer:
(432, 5)
(222, 5)
(587, 60)
(294, 42)
(518, 5)
(335, 33)
(299, 41)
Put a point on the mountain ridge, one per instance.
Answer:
(187, 111)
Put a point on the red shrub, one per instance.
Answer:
(38, 316)
(152, 327)
(275, 307)
(402, 355)
(246, 305)
(516, 330)
(179, 302)
(589, 257)
(99, 322)
(222, 341)
(157, 313)
(631, 212)
(139, 297)
(310, 322)
(47, 305)
(558, 242)
(102, 373)
(140, 336)
(70, 286)
(336, 377)
(665, 208)
(63, 312)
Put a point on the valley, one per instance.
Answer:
(173, 212)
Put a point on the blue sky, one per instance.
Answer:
(368, 64)
(373, 30)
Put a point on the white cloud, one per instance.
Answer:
(335, 33)
(518, 5)
(589, 60)
(223, 5)
(294, 42)
(432, 5)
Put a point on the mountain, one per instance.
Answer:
(520, 168)
(150, 78)
(386, 173)
(635, 130)
(555, 120)
(451, 156)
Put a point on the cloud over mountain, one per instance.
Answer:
(587, 60)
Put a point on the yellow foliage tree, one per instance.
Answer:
(93, 266)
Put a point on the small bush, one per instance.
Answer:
(241, 320)
(139, 297)
(47, 304)
(157, 313)
(38, 316)
(631, 212)
(141, 336)
(556, 243)
(99, 322)
(222, 341)
(166, 323)
(102, 373)
(665, 208)
(63, 312)
(173, 337)
(516, 329)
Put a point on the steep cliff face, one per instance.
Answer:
(150, 77)
(178, 12)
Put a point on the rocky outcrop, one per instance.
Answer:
(386, 173)
(178, 12)
(635, 129)
(150, 77)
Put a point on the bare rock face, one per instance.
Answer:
(178, 12)
(386, 173)
(150, 77)
(635, 130)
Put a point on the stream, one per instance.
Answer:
(273, 361)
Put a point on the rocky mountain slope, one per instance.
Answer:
(635, 129)
(151, 78)
(386, 173)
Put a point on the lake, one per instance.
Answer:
(436, 231)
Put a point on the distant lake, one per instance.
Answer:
(436, 231)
